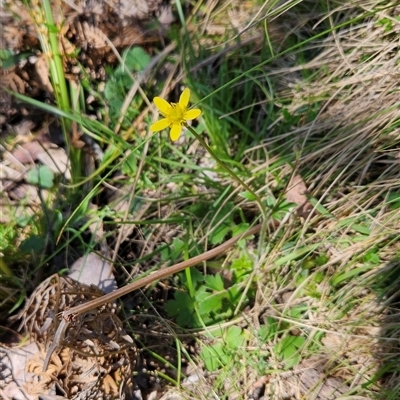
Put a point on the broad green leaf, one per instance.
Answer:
(298, 311)
(268, 330)
(214, 356)
(136, 58)
(214, 282)
(288, 349)
(196, 277)
(247, 195)
(241, 267)
(42, 177)
(219, 234)
(372, 257)
(177, 247)
(182, 307)
(235, 337)
(393, 199)
(33, 243)
(208, 302)
(263, 333)
(365, 230)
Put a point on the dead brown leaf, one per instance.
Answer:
(92, 269)
(28, 152)
(23, 129)
(42, 70)
(76, 139)
(26, 192)
(56, 159)
(297, 193)
(13, 82)
(10, 174)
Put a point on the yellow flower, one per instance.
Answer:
(175, 115)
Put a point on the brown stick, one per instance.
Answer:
(161, 274)
(147, 280)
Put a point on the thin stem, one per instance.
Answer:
(257, 198)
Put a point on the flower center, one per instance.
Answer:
(177, 114)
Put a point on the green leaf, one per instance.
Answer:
(365, 230)
(393, 199)
(24, 220)
(319, 276)
(298, 311)
(241, 228)
(291, 358)
(288, 349)
(299, 341)
(241, 267)
(42, 177)
(177, 247)
(320, 208)
(338, 279)
(183, 309)
(290, 341)
(269, 329)
(214, 282)
(8, 59)
(195, 275)
(234, 293)
(218, 235)
(181, 303)
(247, 195)
(208, 302)
(264, 333)
(351, 223)
(214, 356)
(113, 92)
(136, 58)
(235, 337)
(33, 243)
(223, 220)
(18, 303)
(129, 167)
(293, 255)
(372, 257)
(209, 308)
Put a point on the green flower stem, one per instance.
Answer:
(240, 182)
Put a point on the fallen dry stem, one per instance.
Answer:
(164, 273)
(70, 314)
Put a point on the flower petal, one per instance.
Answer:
(164, 107)
(160, 125)
(192, 114)
(184, 99)
(175, 133)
